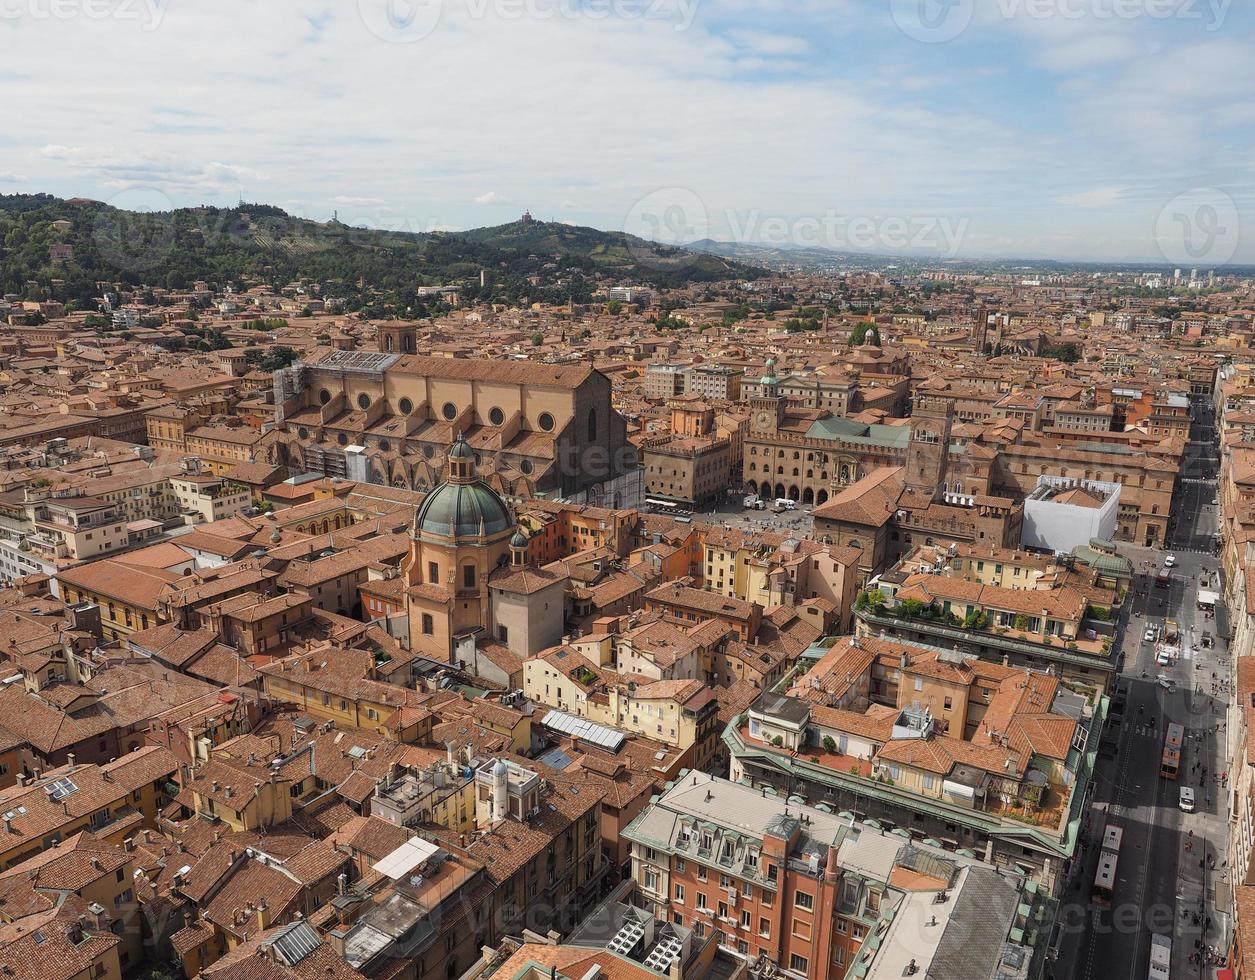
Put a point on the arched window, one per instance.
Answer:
(387, 343)
(363, 401)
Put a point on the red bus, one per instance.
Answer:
(1170, 765)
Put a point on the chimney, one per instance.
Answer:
(832, 870)
(69, 759)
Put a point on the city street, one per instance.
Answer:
(1164, 874)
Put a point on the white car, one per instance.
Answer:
(1149, 635)
(1186, 799)
(1164, 659)
(1169, 561)
(1166, 682)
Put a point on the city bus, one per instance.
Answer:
(1108, 858)
(1170, 765)
(1160, 958)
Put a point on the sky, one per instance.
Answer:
(1119, 130)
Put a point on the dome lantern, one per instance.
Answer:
(518, 549)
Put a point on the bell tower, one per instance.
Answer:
(767, 407)
(928, 452)
(396, 337)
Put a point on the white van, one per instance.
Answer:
(784, 503)
(1186, 799)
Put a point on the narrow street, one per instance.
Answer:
(1164, 875)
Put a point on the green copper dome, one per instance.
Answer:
(460, 509)
(461, 449)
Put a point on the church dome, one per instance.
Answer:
(519, 540)
(462, 509)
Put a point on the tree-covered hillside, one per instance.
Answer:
(256, 243)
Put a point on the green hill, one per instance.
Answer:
(375, 270)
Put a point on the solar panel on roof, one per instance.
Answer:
(61, 788)
(599, 735)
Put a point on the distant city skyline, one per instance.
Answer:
(1051, 129)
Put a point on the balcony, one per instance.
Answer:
(1079, 652)
(1052, 827)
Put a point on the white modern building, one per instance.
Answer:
(1063, 513)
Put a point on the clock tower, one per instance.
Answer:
(767, 407)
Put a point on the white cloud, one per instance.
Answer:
(1098, 197)
(491, 197)
(125, 168)
(771, 45)
(363, 201)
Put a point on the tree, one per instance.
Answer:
(614, 307)
(865, 333)
(273, 359)
(829, 744)
(538, 339)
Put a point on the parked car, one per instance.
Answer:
(1149, 635)
(1169, 561)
